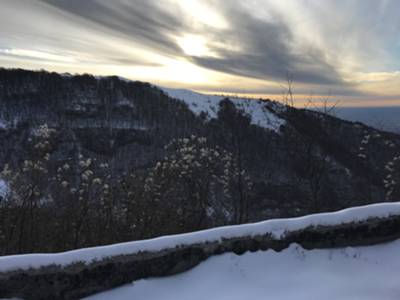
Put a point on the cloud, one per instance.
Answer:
(143, 21)
(55, 36)
(266, 51)
(35, 55)
(131, 62)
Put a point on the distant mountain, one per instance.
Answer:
(288, 161)
(384, 118)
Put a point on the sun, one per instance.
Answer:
(193, 45)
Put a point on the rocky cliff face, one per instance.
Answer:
(299, 161)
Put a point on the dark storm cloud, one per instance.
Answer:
(266, 51)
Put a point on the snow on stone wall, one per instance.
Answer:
(277, 228)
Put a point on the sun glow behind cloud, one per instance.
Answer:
(193, 45)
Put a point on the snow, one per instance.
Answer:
(3, 188)
(3, 124)
(277, 228)
(361, 273)
(209, 104)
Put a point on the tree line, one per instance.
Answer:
(54, 205)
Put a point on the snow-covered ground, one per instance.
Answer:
(209, 104)
(362, 273)
(277, 228)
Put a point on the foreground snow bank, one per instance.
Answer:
(367, 273)
(277, 228)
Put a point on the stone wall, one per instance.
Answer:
(79, 280)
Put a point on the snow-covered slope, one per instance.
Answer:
(361, 273)
(277, 228)
(209, 104)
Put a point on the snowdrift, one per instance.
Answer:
(78, 273)
(351, 273)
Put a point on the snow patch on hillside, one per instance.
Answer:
(3, 189)
(209, 104)
(277, 228)
(3, 124)
(367, 273)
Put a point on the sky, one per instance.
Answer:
(340, 50)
